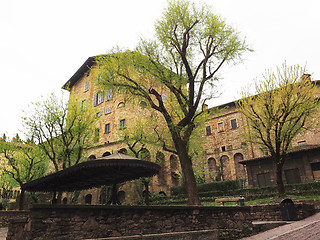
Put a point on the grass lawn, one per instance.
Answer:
(267, 200)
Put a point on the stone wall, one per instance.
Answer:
(83, 222)
(5, 216)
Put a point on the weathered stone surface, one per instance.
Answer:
(92, 222)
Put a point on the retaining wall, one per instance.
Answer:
(92, 222)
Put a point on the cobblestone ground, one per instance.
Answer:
(3, 233)
(308, 228)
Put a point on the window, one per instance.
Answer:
(122, 123)
(234, 124)
(220, 127)
(96, 135)
(98, 98)
(84, 103)
(223, 148)
(98, 114)
(265, 152)
(143, 104)
(107, 128)
(163, 97)
(109, 94)
(302, 142)
(108, 110)
(86, 87)
(121, 105)
(264, 179)
(208, 130)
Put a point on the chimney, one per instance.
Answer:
(306, 77)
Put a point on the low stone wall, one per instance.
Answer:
(87, 222)
(272, 212)
(92, 222)
(5, 216)
(314, 202)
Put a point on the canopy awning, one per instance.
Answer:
(112, 169)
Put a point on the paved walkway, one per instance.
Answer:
(308, 228)
(3, 233)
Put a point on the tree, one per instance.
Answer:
(191, 46)
(22, 162)
(284, 106)
(63, 131)
(139, 137)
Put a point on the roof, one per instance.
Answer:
(116, 168)
(79, 74)
(294, 150)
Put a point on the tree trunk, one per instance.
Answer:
(21, 200)
(189, 178)
(146, 197)
(280, 184)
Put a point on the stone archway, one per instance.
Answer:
(240, 170)
(212, 167)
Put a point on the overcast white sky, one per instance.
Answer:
(43, 43)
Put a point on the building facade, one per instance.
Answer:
(228, 155)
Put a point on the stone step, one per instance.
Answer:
(261, 226)
(190, 235)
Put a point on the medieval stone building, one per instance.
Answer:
(228, 156)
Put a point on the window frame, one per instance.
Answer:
(123, 123)
(235, 122)
(107, 129)
(221, 123)
(86, 86)
(208, 130)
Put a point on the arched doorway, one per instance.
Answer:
(240, 170)
(174, 167)
(160, 160)
(88, 199)
(223, 170)
(212, 167)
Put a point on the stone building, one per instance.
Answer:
(228, 156)
(225, 146)
(114, 114)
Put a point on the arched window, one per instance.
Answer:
(88, 199)
(240, 170)
(65, 200)
(106, 154)
(143, 104)
(162, 193)
(122, 196)
(144, 154)
(91, 157)
(123, 151)
(121, 105)
(160, 160)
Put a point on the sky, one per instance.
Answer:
(43, 43)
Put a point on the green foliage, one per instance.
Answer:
(223, 186)
(283, 107)
(63, 131)
(191, 45)
(22, 162)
